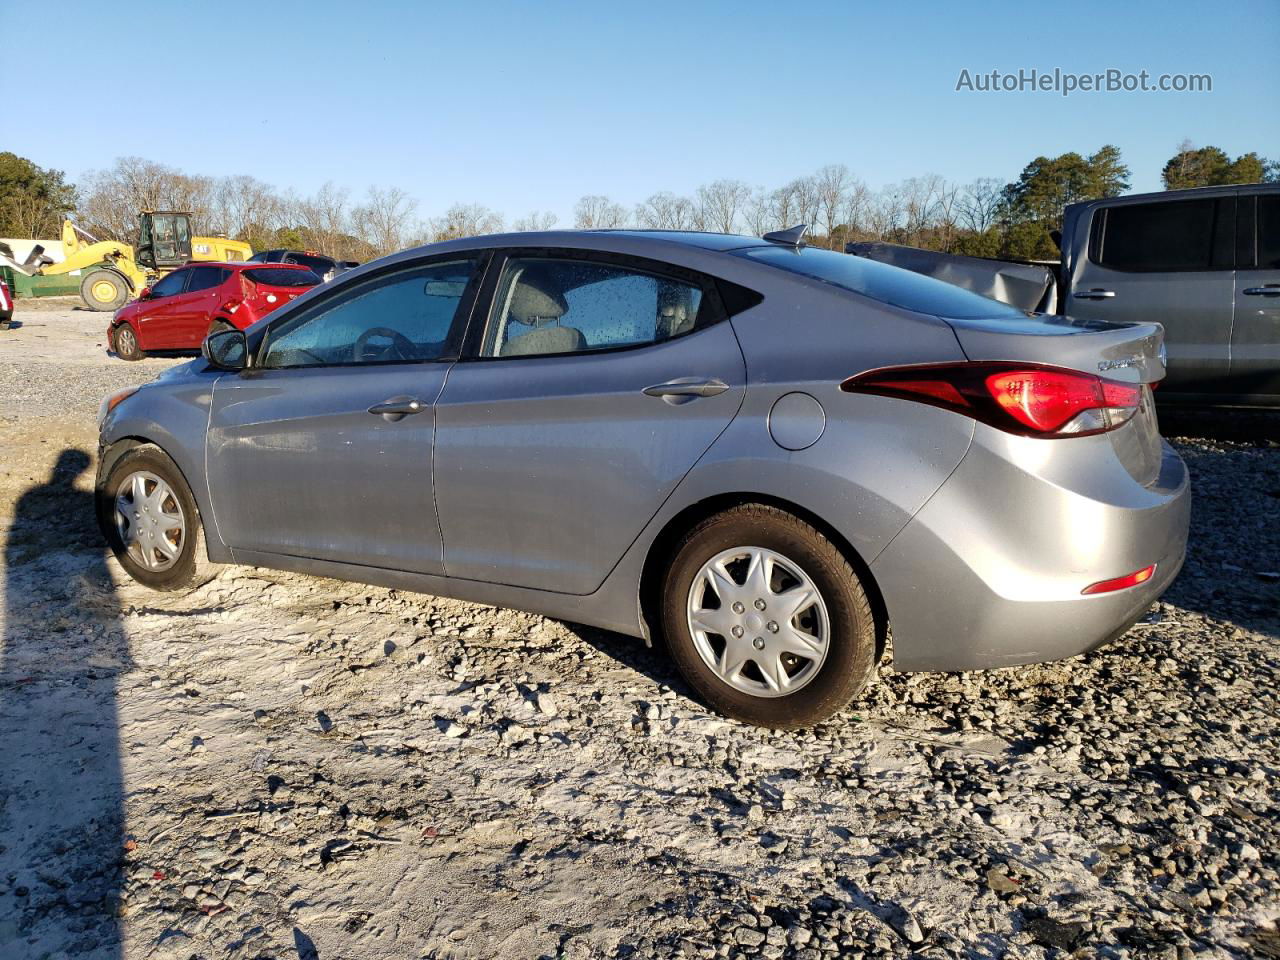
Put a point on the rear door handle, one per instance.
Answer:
(1096, 293)
(684, 389)
(397, 408)
(1268, 290)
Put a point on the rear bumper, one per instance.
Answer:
(990, 572)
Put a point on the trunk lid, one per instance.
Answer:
(1128, 352)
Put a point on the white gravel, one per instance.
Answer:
(282, 766)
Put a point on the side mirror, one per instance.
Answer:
(226, 350)
(145, 294)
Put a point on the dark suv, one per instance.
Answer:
(326, 268)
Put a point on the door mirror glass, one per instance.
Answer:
(226, 349)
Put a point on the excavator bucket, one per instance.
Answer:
(28, 267)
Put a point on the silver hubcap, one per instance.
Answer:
(124, 341)
(150, 521)
(758, 621)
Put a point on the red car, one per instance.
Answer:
(184, 306)
(6, 306)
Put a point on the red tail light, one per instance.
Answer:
(1033, 400)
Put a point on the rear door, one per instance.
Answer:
(593, 388)
(324, 449)
(1255, 335)
(1171, 262)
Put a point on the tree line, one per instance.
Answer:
(985, 217)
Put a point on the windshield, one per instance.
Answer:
(281, 277)
(879, 281)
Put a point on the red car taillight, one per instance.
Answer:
(1033, 400)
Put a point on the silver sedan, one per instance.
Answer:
(765, 454)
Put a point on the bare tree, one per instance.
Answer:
(595, 212)
(465, 220)
(757, 211)
(384, 220)
(919, 198)
(884, 213)
(857, 201)
(535, 221)
(831, 184)
(720, 202)
(666, 211)
(112, 199)
(244, 208)
(979, 204)
(946, 212)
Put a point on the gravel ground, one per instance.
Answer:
(283, 766)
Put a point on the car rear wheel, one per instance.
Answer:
(149, 517)
(766, 619)
(124, 341)
(104, 290)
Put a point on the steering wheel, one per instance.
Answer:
(401, 345)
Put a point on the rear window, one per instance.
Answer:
(1167, 236)
(318, 265)
(879, 281)
(279, 277)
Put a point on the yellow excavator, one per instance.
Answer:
(114, 273)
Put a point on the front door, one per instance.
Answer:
(1255, 335)
(597, 385)
(324, 450)
(1168, 261)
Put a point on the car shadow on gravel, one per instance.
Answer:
(61, 797)
(635, 654)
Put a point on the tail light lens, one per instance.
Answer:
(1033, 400)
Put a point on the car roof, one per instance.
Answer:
(245, 265)
(706, 240)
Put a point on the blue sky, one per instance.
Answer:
(524, 106)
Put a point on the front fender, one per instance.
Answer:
(174, 417)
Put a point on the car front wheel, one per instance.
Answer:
(149, 517)
(124, 341)
(766, 619)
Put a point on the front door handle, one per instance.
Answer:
(1097, 293)
(684, 389)
(1268, 290)
(397, 408)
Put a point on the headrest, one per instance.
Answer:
(546, 340)
(530, 303)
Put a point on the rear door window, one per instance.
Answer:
(553, 306)
(1269, 231)
(1167, 236)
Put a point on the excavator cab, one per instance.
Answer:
(164, 239)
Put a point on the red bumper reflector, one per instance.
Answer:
(1121, 583)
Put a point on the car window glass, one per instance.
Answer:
(882, 282)
(1269, 231)
(170, 284)
(546, 306)
(405, 317)
(203, 278)
(1167, 236)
